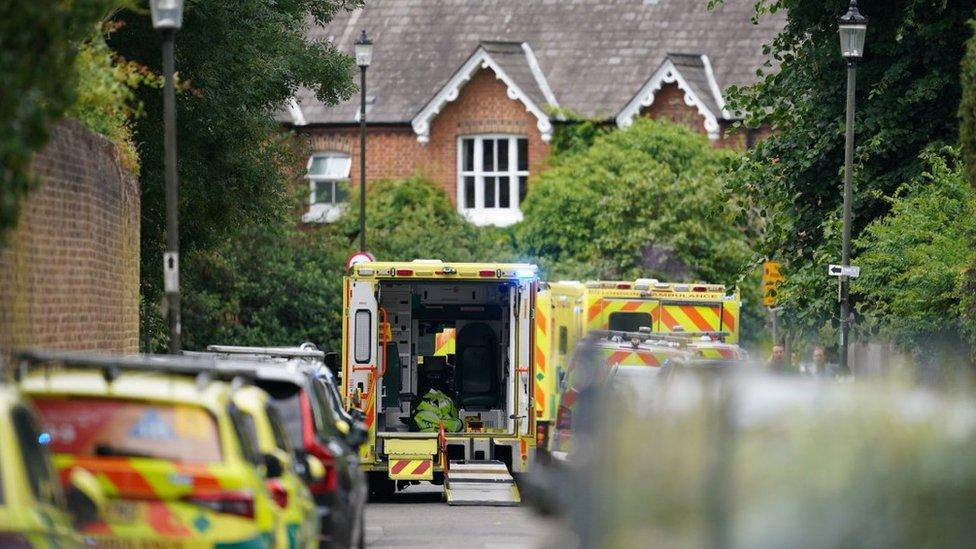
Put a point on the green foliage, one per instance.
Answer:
(105, 93)
(237, 63)
(413, 219)
(38, 45)
(268, 285)
(907, 96)
(573, 133)
(913, 259)
(643, 202)
(967, 107)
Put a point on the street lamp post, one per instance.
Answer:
(167, 18)
(853, 26)
(364, 55)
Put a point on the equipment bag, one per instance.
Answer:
(436, 408)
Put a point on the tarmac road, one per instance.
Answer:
(418, 517)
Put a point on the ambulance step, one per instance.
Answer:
(480, 483)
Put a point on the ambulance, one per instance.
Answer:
(568, 310)
(464, 330)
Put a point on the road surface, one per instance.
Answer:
(417, 517)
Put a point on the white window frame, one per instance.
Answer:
(325, 212)
(480, 215)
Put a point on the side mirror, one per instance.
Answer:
(273, 468)
(358, 414)
(316, 471)
(85, 497)
(331, 361)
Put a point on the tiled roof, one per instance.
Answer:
(595, 55)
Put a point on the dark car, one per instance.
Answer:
(303, 391)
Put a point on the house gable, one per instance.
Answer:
(693, 75)
(513, 64)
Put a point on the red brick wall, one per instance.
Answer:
(69, 272)
(394, 152)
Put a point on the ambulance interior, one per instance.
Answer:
(474, 371)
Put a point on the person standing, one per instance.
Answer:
(777, 361)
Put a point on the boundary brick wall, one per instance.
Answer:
(69, 272)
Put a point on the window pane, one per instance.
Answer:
(488, 155)
(503, 155)
(362, 336)
(338, 167)
(341, 192)
(504, 200)
(318, 165)
(523, 187)
(523, 154)
(489, 192)
(467, 155)
(469, 191)
(323, 192)
(563, 340)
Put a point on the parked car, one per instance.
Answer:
(299, 527)
(168, 449)
(303, 392)
(34, 511)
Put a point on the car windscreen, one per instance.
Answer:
(108, 427)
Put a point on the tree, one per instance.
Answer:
(914, 259)
(908, 92)
(647, 201)
(238, 63)
(967, 138)
(38, 44)
(413, 218)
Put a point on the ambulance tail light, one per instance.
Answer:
(227, 502)
(488, 273)
(564, 417)
(541, 434)
(623, 286)
(404, 272)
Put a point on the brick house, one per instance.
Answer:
(464, 92)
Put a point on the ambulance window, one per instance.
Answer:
(629, 322)
(362, 336)
(563, 339)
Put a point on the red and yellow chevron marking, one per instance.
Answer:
(542, 388)
(690, 318)
(636, 357)
(411, 469)
(598, 314)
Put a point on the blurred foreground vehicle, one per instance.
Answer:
(303, 393)
(728, 458)
(167, 443)
(628, 369)
(34, 511)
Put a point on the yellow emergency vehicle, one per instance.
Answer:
(395, 313)
(296, 508)
(568, 310)
(171, 452)
(33, 509)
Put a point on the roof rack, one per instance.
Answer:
(205, 368)
(306, 350)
